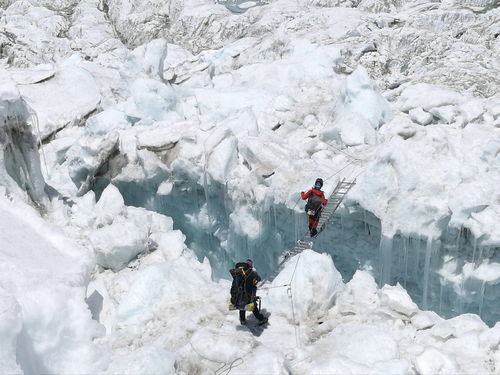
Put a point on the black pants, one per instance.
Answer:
(255, 311)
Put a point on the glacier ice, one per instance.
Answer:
(20, 170)
(177, 136)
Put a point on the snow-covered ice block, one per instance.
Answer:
(283, 103)
(165, 188)
(444, 113)
(159, 289)
(245, 223)
(83, 211)
(152, 100)
(222, 347)
(336, 365)
(223, 159)
(467, 352)
(360, 294)
(85, 157)
(64, 99)
(443, 330)
(362, 343)
(349, 128)
(397, 298)
(427, 96)
(262, 155)
(262, 360)
(360, 95)
(420, 116)
(471, 110)
(402, 126)
(109, 206)
(491, 337)
(425, 319)
(145, 360)
(36, 74)
(170, 243)
(105, 122)
(244, 123)
(164, 136)
(116, 244)
(433, 362)
(465, 323)
(314, 286)
(150, 58)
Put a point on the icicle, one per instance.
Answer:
(481, 298)
(480, 257)
(459, 236)
(405, 250)
(385, 259)
(425, 286)
(474, 251)
(275, 216)
(417, 251)
(440, 311)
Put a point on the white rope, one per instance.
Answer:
(289, 290)
(225, 368)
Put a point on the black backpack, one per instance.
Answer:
(239, 295)
(313, 204)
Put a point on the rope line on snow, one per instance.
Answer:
(224, 367)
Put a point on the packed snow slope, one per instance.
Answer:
(147, 146)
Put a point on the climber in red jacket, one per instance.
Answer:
(313, 205)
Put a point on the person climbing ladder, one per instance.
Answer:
(315, 198)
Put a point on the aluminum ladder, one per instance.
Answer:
(306, 241)
(334, 201)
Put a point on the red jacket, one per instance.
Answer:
(317, 192)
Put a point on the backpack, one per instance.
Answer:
(313, 204)
(239, 295)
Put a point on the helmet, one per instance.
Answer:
(319, 183)
(249, 262)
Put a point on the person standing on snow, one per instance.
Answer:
(244, 290)
(313, 205)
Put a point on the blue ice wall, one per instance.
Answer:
(353, 238)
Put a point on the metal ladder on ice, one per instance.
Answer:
(334, 201)
(306, 241)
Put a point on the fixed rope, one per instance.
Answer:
(225, 368)
(296, 326)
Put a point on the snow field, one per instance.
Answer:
(44, 277)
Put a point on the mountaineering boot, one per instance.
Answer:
(313, 232)
(243, 322)
(263, 321)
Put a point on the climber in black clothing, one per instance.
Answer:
(244, 291)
